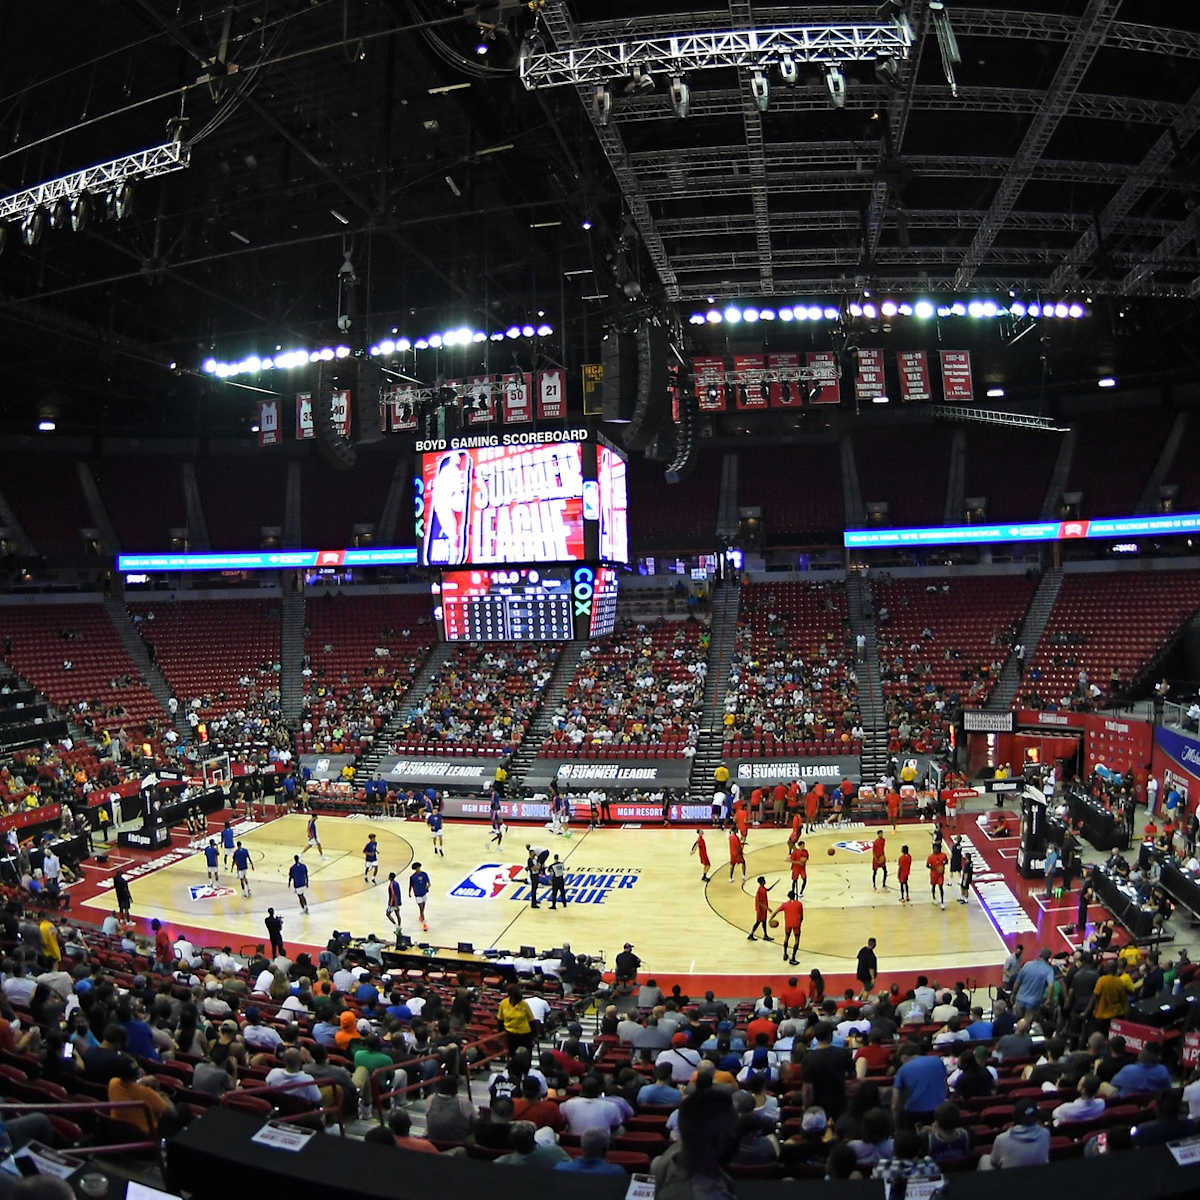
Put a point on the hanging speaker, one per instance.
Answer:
(650, 410)
(619, 385)
(686, 440)
(335, 449)
(368, 417)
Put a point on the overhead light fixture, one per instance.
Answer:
(337, 216)
(835, 82)
(60, 214)
(33, 226)
(481, 47)
(923, 310)
(681, 96)
(543, 224)
(641, 80)
(81, 212)
(449, 87)
(995, 393)
(760, 86)
(497, 149)
(239, 237)
(787, 69)
(880, 400)
(1106, 381)
(585, 225)
(123, 200)
(887, 70)
(602, 105)
(453, 186)
(46, 426)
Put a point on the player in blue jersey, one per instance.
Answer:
(432, 802)
(418, 889)
(241, 864)
(212, 856)
(371, 860)
(395, 900)
(313, 839)
(435, 828)
(497, 827)
(298, 879)
(227, 842)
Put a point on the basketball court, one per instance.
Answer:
(625, 884)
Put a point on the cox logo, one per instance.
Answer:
(583, 587)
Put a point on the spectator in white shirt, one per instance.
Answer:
(591, 1110)
(18, 987)
(539, 1006)
(944, 1011)
(258, 1036)
(292, 1075)
(682, 1059)
(1086, 1108)
(923, 994)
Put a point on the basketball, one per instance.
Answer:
(774, 922)
(831, 851)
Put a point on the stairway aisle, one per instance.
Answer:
(368, 761)
(1032, 629)
(726, 601)
(870, 683)
(543, 717)
(291, 651)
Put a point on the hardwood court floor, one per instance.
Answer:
(636, 885)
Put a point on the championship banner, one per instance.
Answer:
(339, 412)
(269, 433)
(517, 407)
(750, 392)
(956, 376)
(581, 775)
(913, 366)
(709, 376)
(750, 772)
(869, 382)
(552, 396)
(304, 417)
(403, 408)
(591, 378)
(325, 767)
(785, 394)
(824, 364)
(476, 389)
(465, 774)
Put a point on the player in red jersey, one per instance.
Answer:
(741, 818)
(792, 798)
(736, 855)
(879, 859)
(700, 849)
(761, 908)
(799, 857)
(812, 807)
(936, 862)
(893, 807)
(903, 870)
(793, 918)
(797, 829)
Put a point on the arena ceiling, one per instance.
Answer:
(1066, 162)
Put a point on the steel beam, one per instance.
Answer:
(1081, 50)
(1165, 254)
(921, 283)
(739, 11)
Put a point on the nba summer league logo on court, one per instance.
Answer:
(508, 881)
(853, 847)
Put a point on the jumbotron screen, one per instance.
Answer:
(527, 604)
(503, 504)
(614, 506)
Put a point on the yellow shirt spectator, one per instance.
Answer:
(908, 774)
(1129, 956)
(50, 946)
(347, 772)
(515, 1015)
(721, 774)
(1112, 996)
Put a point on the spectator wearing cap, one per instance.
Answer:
(682, 1058)
(257, 1036)
(1024, 1143)
(808, 1145)
(626, 966)
(725, 1030)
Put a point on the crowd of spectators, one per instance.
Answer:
(643, 686)
(484, 696)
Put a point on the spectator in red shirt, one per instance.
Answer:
(163, 950)
(531, 1107)
(762, 1024)
(873, 1058)
(793, 996)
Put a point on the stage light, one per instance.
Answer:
(1076, 311)
(733, 315)
(497, 336)
(856, 309)
(800, 312)
(602, 105)
(996, 393)
(527, 331)
(785, 314)
(835, 83)
(641, 81)
(33, 226)
(943, 310)
(750, 314)
(420, 344)
(123, 200)
(60, 213)
(880, 400)
(870, 312)
(760, 85)
(513, 332)
(209, 366)
(906, 310)
(787, 69)
(990, 308)
(1017, 308)
(478, 336)
(544, 331)
(1106, 381)
(435, 341)
(713, 317)
(46, 426)
(766, 314)
(80, 212)
(585, 224)
(1035, 309)
(481, 48)
(387, 346)
(342, 352)
(696, 319)
(681, 96)
(1060, 309)
(958, 309)
(975, 309)
(889, 308)
(923, 310)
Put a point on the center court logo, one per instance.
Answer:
(853, 847)
(206, 891)
(507, 881)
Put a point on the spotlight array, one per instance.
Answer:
(982, 308)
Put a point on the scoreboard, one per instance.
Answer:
(527, 604)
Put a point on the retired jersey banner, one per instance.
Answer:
(823, 364)
(784, 389)
(479, 399)
(956, 376)
(869, 382)
(709, 374)
(751, 392)
(517, 406)
(403, 409)
(552, 395)
(913, 366)
(269, 433)
(304, 420)
(339, 412)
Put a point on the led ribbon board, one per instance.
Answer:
(1040, 531)
(269, 560)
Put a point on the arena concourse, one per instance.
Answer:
(600, 589)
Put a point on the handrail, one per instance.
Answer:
(86, 1106)
(322, 1110)
(377, 1098)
